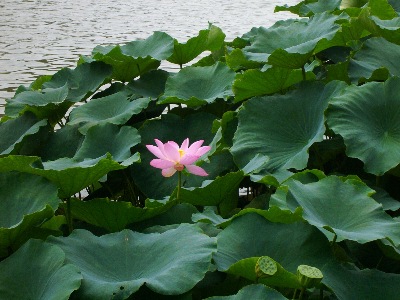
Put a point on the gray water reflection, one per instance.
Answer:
(39, 37)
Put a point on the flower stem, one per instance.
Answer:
(179, 186)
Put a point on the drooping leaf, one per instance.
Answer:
(47, 103)
(252, 291)
(222, 191)
(26, 201)
(124, 67)
(116, 109)
(375, 61)
(159, 46)
(108, 138)
(62, 143)
(196, 86)
(303, 244)
(209, 39)
(169, 128)
(257, 83)
(344, 209)
(150, 84)
(38, 271)
(118, 264)
(291, 46)
(310, 7)
(350, 283)
(367, 117)
(82, 82)
(114, 215)
(283, 127)
(15, 131)
(70, 175)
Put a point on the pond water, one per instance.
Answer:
(39, 37)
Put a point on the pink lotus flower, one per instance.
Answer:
(172, 158)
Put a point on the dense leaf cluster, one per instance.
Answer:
(304, 123)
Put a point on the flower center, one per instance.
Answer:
(179, 167)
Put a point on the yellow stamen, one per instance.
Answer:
(181, 152)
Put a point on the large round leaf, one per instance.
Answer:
(209, 39)
(108, 138)
(118, 264)
(291, 46)
(283, 127)
(37, 271)
(115, 215)
(159, 46)
(70, 175)
(199, 85)
(352, 283)
(368, 119)
(376, 55)
(253, 291)
(82, 82)
(115, 109)
(343, 208)
(25, 201)
(14, 131)
(251, 235)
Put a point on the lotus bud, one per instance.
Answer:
(309, 276)
(265, 267)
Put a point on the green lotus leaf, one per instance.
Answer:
(310, 7)
(114, 215)
(70, 175)
(150, 84)
(236, 60)
(196, 86)
(116, 109)
(38, 271)
(82, 82)
(252, 291)
(291, 46)
(344, 209)
(46, 103)
(246, 269)
(108, 138)
(15, 131)
(63, 142)
(367, 117)
(383, 197)
(251, 235)
(26, 201)
(256, 83)
(283, 127)
(221, 191)
(351, 283)
(210, 39)
(159, 45)
(395, 5)
(118, 264)
(375, 61)
(124, 67)
(169, 128)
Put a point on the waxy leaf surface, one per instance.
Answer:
(368, 119)
(118, 264)
(38, 271)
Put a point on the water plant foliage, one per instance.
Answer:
(301, 198)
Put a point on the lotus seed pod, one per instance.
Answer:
(309, 276)
(265, 267)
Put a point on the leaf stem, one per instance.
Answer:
(301, 293)
(179, 186)
(69, 215)
(303, 71)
